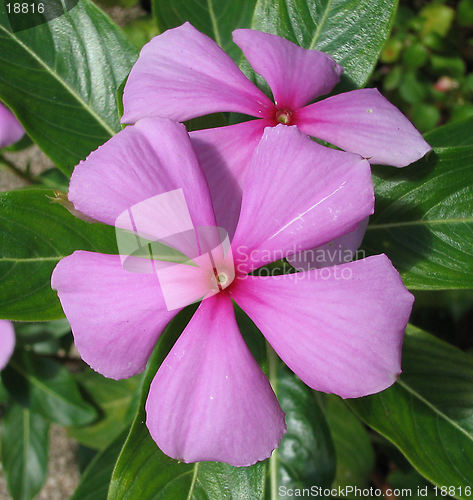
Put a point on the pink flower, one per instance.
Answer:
(7, 342)
(10, 129)
(339, 329)
(182, 74)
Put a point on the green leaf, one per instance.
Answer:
(428, 414)
(48, 388)
(143, 471)
(306, 455)
(413, 481)
(352, 31)
(24, 452)
(142, 30)
(453, 134)
(34, 235)
(215, 18)
(60, 79)
(116, 399)
(32, 333)
(353, 449)
(423, 220)
(54, 178)
(95, 481)
(437, 19)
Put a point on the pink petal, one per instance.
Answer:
(150, 158)
(209, 399)
(340, 329)
(116, 316)
(224, 154)
(7, 342)
(10, 129)
(364, 122)
(338, 251)
(296, 75)
(182, 74)
(298, 195)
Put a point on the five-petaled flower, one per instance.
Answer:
(209, 399)
(182, 74)
(10, 129)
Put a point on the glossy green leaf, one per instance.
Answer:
(32, 333)
(47, 388)
(413, 481)
(428, 414)
(24, 452)
(423, 220)
(4, 396)
(452, 134)
(115, 400)
(34, 235)
(305, 456)
(353, 448)
(215, 18)
(352, 31)
(95, 480)
(60, 79)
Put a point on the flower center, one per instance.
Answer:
(283, 116)
(223, 278)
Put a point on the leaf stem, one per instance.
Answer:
(17, 171)
(194, 479)
(273, 460)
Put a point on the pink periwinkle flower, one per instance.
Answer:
(7, 342)
(10, 129)
(182, 74)
(339, 329)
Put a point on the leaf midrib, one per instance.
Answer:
(420, 222)
(321, 24)
(26, 438)
(436, 410)
(194, 480)
(214, 23)
(17, 260)
(47, 68)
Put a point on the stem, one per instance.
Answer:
(194, 479)
(17, 171)
(273, 380)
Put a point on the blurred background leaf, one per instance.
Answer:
(426, 65)
(24, 451)
(116, 401)
(47, 388)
